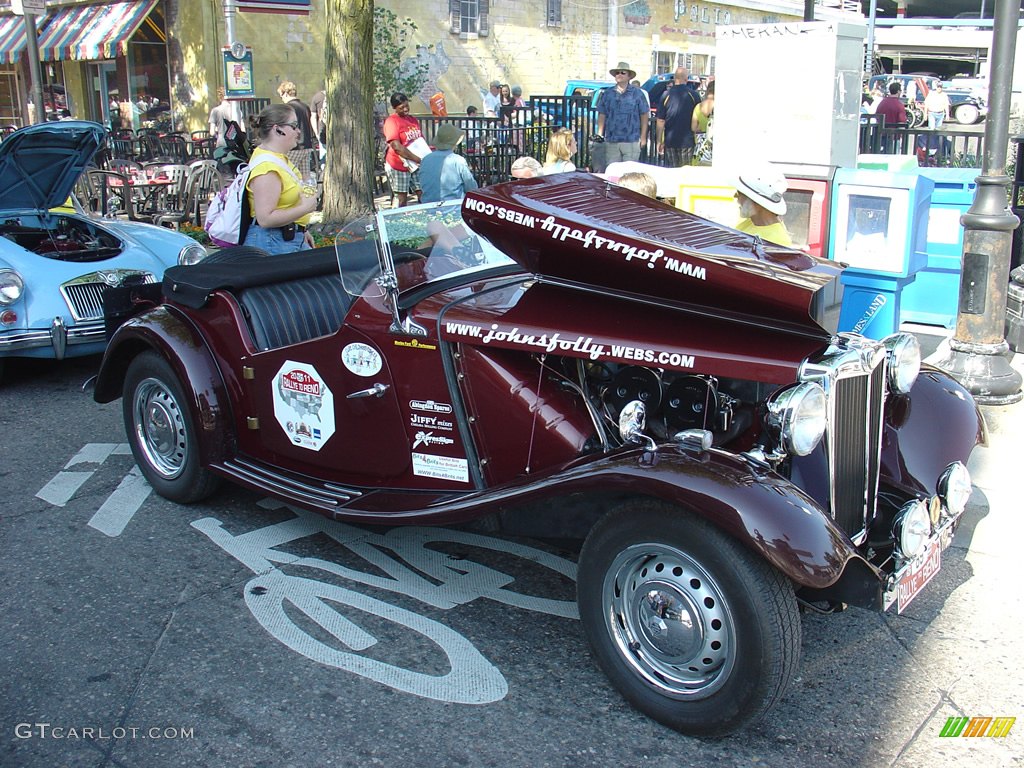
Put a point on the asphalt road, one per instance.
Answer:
(141, 633)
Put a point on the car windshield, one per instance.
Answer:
(429, 241)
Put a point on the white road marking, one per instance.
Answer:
(62, 487)
(119, 508)
(276, 597)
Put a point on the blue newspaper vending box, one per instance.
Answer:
(879, 222)
(934, 296)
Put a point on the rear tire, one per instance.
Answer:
(692, 628)
(162, 433)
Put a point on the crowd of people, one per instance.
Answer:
(288, 137)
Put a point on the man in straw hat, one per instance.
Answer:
(759, 194)
(444, 174)
(622, 116)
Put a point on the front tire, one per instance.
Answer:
(967, 114)
(161, 431)
(691, 628)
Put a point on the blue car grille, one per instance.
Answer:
(84, 296)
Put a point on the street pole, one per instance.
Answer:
(34, 68)
(978, 349)
(869, 59)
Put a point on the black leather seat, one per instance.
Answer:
(294, 311)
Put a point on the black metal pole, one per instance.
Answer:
(977, 351)
(808, 10)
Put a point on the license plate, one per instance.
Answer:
(914, 580)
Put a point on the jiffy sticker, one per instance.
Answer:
(361, 359)
(430, 422)
(303, 405)
(440, 467)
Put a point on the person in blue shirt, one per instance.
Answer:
(445, 175)
(622, 117)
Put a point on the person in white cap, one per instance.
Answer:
(759, 194)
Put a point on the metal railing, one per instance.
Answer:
(941, 148)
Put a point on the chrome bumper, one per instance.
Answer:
(58, 336)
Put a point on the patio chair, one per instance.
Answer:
(168, 197)
(114, 196)
(203, 181)
(122, 165)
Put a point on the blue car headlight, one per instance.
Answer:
(191, 254)
(11, 287)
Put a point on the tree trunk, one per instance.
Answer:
(348, 62)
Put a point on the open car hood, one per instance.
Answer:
(577, 228)
(39, 164)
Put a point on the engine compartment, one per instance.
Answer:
(674, 401)
(62, 238)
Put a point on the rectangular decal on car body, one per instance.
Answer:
(440, 467)
(556, 343)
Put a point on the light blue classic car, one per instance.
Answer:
(56, 261)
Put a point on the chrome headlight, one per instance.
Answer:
(191, 254)
(912, 528)
(11, 287)
(798, 417)
(954, 488)
(904, 361)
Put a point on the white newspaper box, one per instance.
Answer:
(788, 92)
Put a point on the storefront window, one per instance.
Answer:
(149, 84)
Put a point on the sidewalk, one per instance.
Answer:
(970, 652)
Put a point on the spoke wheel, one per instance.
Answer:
(691, 627)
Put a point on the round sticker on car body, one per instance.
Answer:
(361, 359)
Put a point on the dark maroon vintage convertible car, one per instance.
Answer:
(560, 357)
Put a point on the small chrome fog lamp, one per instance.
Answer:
(904, 354)
(954, 487)
(912, 528)
(632, 421)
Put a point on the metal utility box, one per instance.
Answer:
(934, 295)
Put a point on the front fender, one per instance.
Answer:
(167, 332)
(937, 423)
(751, 503)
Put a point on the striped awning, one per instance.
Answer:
(12, 38)
(93, 31)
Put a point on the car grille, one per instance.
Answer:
(854, 378)
(84, 295)
(854, 443)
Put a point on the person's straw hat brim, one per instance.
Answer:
(623, 65)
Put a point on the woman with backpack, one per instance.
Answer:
(279, 201)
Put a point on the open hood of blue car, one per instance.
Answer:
(39, 164)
